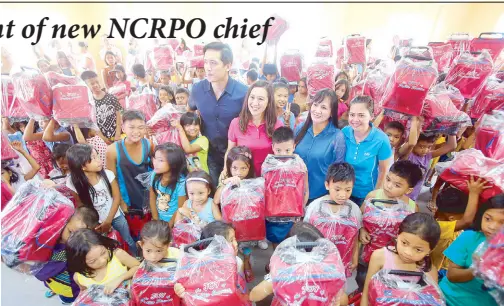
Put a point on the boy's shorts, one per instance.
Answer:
(276, 232)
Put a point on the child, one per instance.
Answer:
(281, 93)
(96, 260)
(108, 109)
(304, 232)
(460, 287)
(121, 78)
(345, 213)
(167, 192)
(292, 91)
(342, 89)
(455, 213)
(89, 136)
(155, 239)
(182, 96)
(301, 96)
(395, 132)
(252, 76)
(421, 155)
(418, 235)
(110, 62)
(54, 273)
(60, 163)
(165, 96)
(12, 173)
(200, 207)
(95, 187)
(57, 134)
(193, 143)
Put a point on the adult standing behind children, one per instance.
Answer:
(219, 100)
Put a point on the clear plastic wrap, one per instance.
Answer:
(473, 162)
(197, 62)
(340, 57)
(172, 42)
(340, 228)
(243, 206)
(74, 104)
(11, 107)
(55, 78)
(391, 288)
(382, 224)
(119, 90)
(419, 53)
(198, 50)
(31, 226)
(409, 85)
(161, 126)
(300, 277)
(291, 65)
(144, 102)
(357, 89)
(162, 57)
(490, 135)
(324, 48)
(113, 234)
(94, 296)
(355, 49)
(320, 75)
(460, 42)
(185, 232)
(490, 97)
(443, 54)
(284, 185)
(7, 151)
(493, 42)
(375, 85)
(152, 284)
(468, 72)
(33, 92)
(276, 30)
(209, 276)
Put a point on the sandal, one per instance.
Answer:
(49, 294)
(249, 275)
(431, 207)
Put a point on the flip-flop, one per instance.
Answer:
(49, 294)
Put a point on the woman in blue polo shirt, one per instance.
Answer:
(319, 142)
(368, 149)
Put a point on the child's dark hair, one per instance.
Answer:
(252, 75)
(341, 73)
(282, 134)
(169, 91)
(86, 75)
(295, 109)
(89, 216)
(78, 156)
(305, 232)
(496, 202)
(216, 228)
(14, 177)
(177, 161)
(427, 138)
(347, 88)
(138, 70)
(451, 200)
(424, 226)
(182, 90)
(395, 125)
(340, 172)
(131, 115)
(407, 170)
(243, 154)
(199, 176)
(157, 230)
(279, 84)
(283, 80)
(80, 243)
(190, 118)
(59, 151)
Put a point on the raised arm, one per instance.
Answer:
(50, 136)
(29, 135)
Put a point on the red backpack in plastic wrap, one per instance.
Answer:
(185, 232)
(490, 135)
(162, 57)
(324, 48)
(340, 228)
(197, 62)
(210, 276)
(34, 93)
(409, 86)
(291, 65)
(74, 104)
(152, 284)
(469, 72)
(161, 126)
(472, 162)
(11, 107)
(31, 226)
(340, 57)
(461, 42)
(7, 151)
(94, 296)
(488, 99)
(306, 274)
(243, 207)
(389, 288)
(113, 234)
(144, 102)
(375, 85)
(319, 75)
(284, 185)
(382, 224)
(55, 78)
(355, 49)
(119, 89)
(488, 263)
(277, 29)
(198, 50)
(443, 54)
(491, 41)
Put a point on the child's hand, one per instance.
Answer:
(432, 206)
(104, 228)
(18, 146)
(235, 181)
(179, 290)
(112, 285)
(364, 236)
(353, 266)
(477, 186)
(175, 123)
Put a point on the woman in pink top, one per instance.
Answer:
(256, 123)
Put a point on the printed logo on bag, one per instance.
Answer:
(283, 182)
(473, 74)
(157, 298)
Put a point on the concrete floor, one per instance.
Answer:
(18, 289)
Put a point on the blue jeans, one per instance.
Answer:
(121, 225)
(215, 170)
(357, 201)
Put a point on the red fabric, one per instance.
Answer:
(276, 30)
(469, 72)
(161, 126)
(113, 234)
(197, 62)
(173, 42)
(6, 195)
(460, 44)
(185, 232)
(11, 107)
(382, 224)
(34, 93)
(355, 50)
(325, 48)
(67, 193)
(144, 102)
(340, 56)
(488, 99)
(284, 186)
(198, 50)
(40, 152)
(356, 90)
(493, 45)
(243, 207)
(443, 53)
(136, 223)
(73, 104)
(374, 86)
(94, 296)
(409, 86)
(473, 162)
(7, 151)
(163, 57)
(121, 88)
(55, 78)
(490, 267)
(153, 285)
(490, 136)
(404, 43)
(319, 76)
(291, 65)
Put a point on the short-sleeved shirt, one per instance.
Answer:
(178, 191)
(292, 120)
(365, 157)
(51, 144)
(424, 163)
(217, 114)
(18, 136)
(106, 114)
(200, 159)
(448, 235)
(355, 213)
(319, 152)
(255, 138)
(467, 293)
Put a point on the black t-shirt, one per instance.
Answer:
(106, 117)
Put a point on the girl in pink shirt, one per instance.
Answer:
(342, 89)
(256, 123)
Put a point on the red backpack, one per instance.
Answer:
(11, 107)
(185, 232)
(490, 266)
(491, 41)
(94, 296)
(55, 78)
(355, 49)
(443, 53)
(291, 65)
(73, 104)
(161, 126)
(488, 99)
(276, 30)
(319, 75)
(144, 102)
(325, 48)
(162, 57)
(490, 136)
(460, 42)
(34, 93)
(153, 284)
